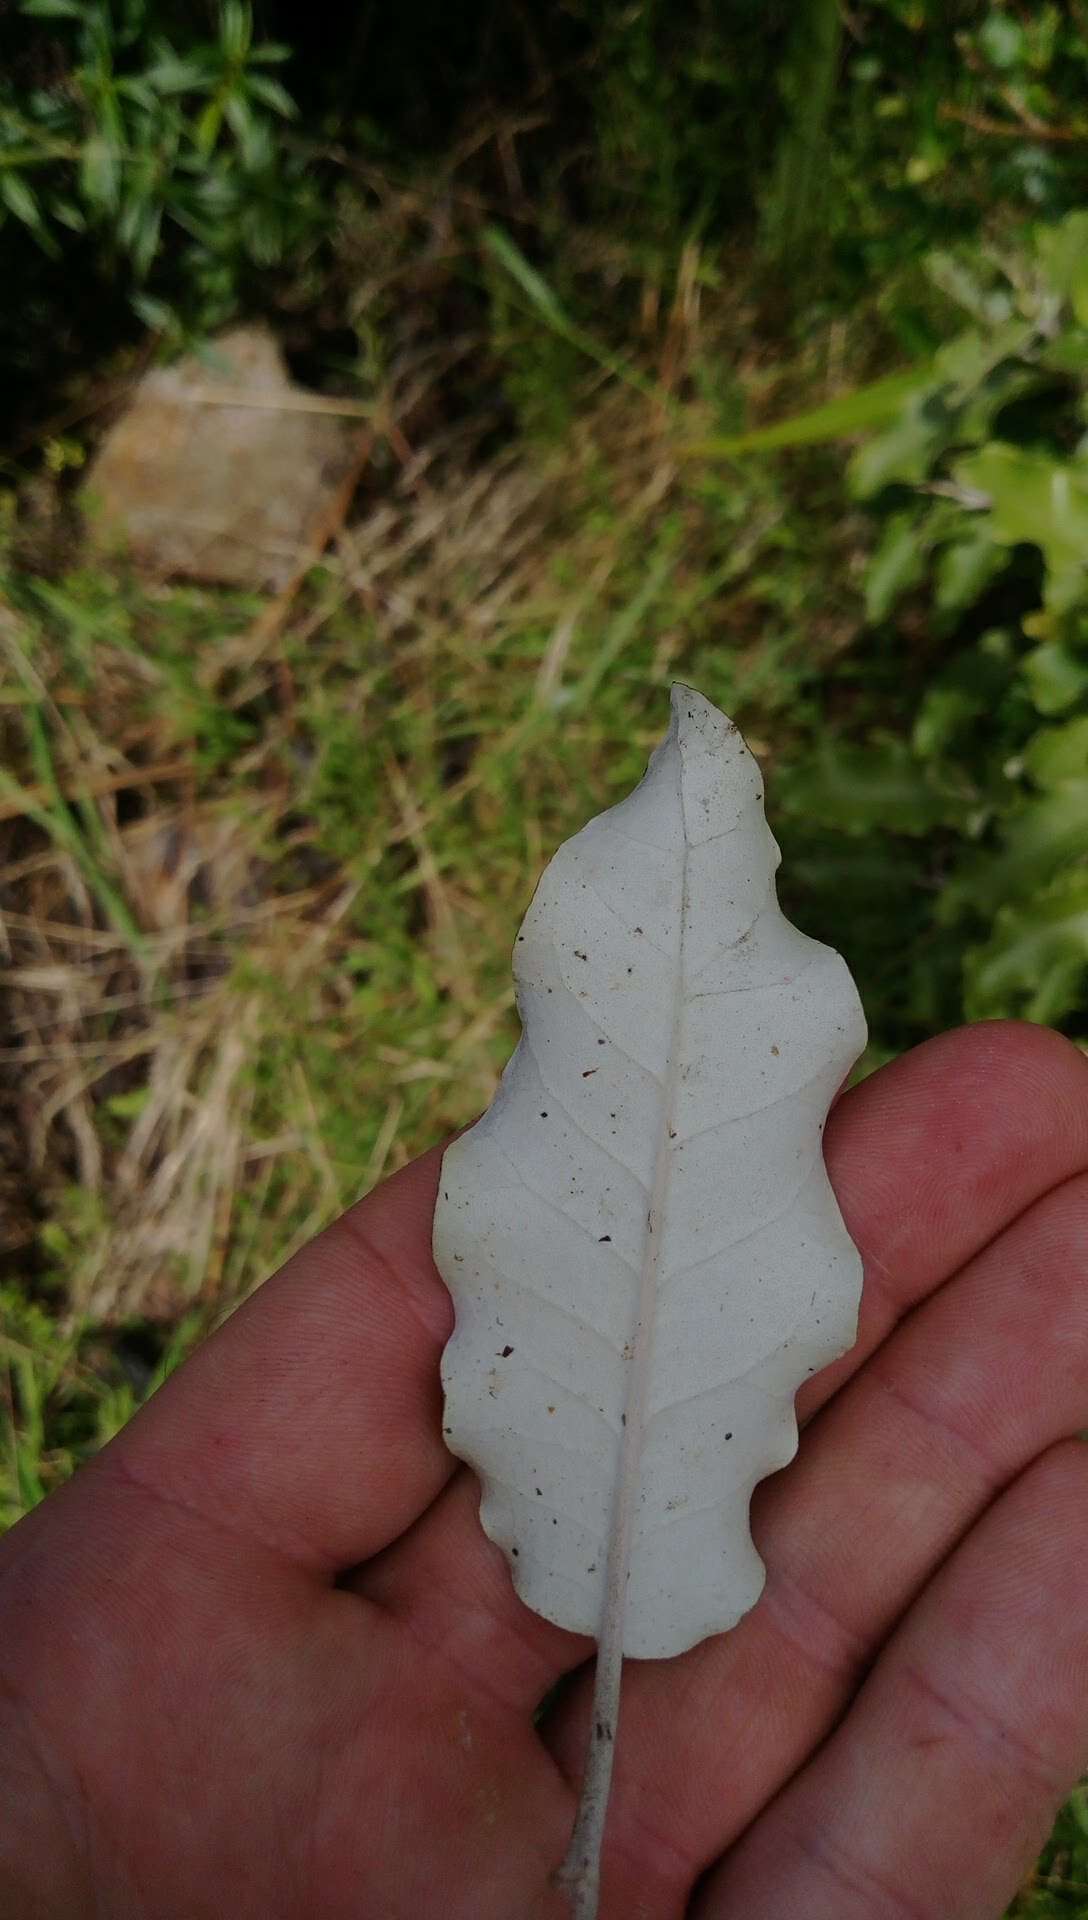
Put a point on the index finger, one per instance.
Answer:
(311, 1422)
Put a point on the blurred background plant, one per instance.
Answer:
(120, 119)
(746, 344)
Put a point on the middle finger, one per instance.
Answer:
(979, 1380)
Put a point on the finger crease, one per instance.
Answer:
(987, 1730)
(991, 1474)
(74, 1807)
(651, 1854)
(444, 1643)
(122, 1470)
(882, 1899)
(436, 1334)
(823, 1639)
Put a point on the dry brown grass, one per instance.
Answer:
(261, 861)
(137, 881)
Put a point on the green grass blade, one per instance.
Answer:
(548, 308)
(61, 824)
(855, 412)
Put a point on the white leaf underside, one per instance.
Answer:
(644, 1251)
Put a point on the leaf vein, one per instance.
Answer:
(570, 1393)
(604, 825)
(728, 945)
(621, 922)
(731, 1120)
(547, 1201)
(554, 1094)
(557, 1306)
(624, 1052)
(732, 1380)
(764, 1226)
(762, 986)
(530, 1500)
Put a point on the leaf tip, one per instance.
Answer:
(721, 779)
(698, 722)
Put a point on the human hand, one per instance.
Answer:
(258, 1659)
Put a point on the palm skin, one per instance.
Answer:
(259, 1661)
